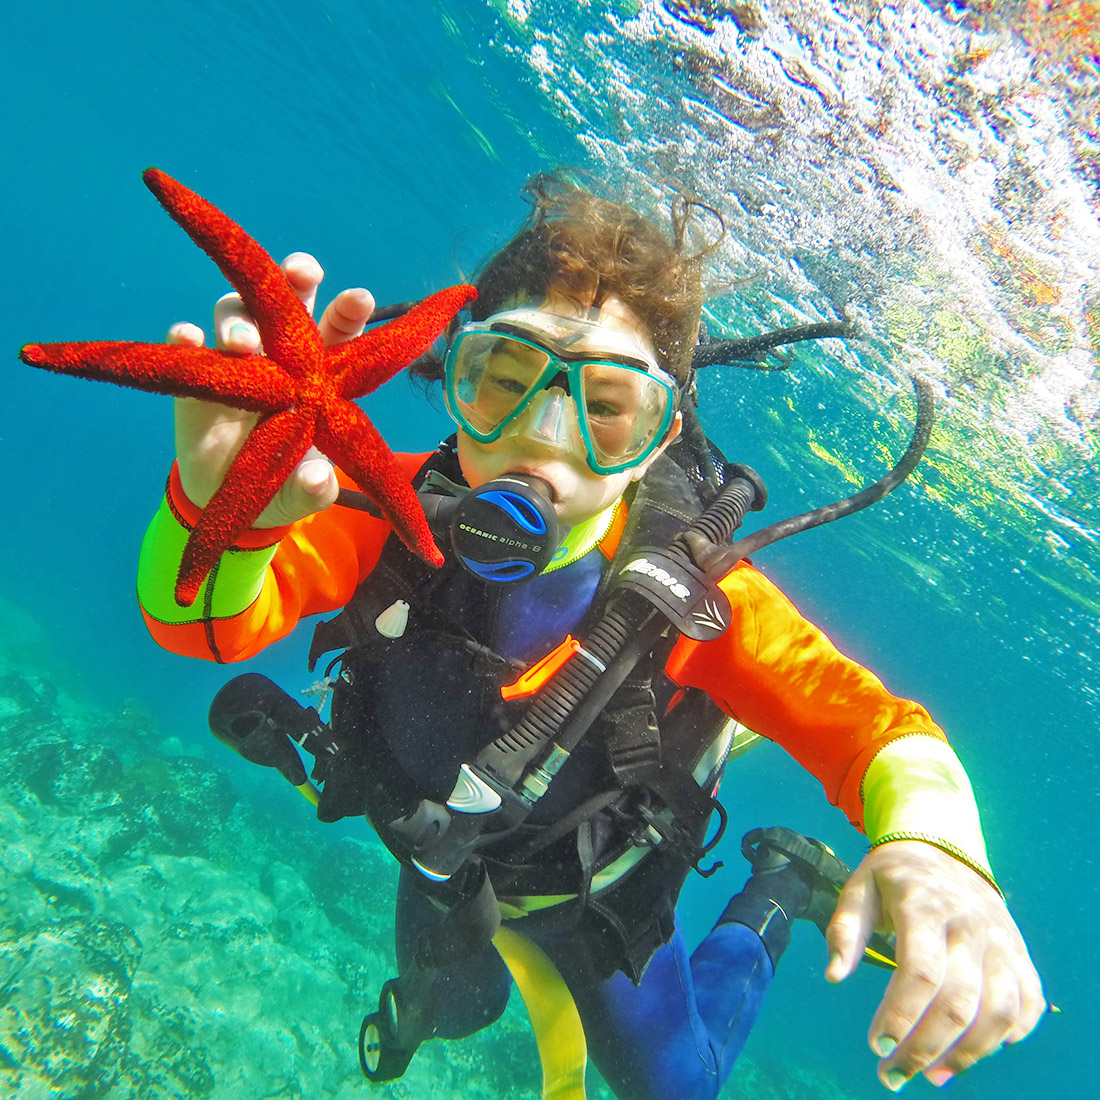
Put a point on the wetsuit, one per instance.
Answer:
(880, 758)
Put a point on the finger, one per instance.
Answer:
(995, 1017)
(1033, 1001)
(234, 329)
(1012, 1004)
(922, 964)
(315, 480)
(346, 316)
(853, 921)
(1033, 1005)
(186, 335)
(305, 275)
(311, 488)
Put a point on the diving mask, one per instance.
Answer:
(621, 401)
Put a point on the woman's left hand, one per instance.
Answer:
(965, 985)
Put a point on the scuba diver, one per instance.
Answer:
(538, 729)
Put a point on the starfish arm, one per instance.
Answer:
(363, 364)
(346, 435)
(254, 382)
(273, 448)
(289, 334)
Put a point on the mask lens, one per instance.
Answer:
(624, 411)
(490, 377)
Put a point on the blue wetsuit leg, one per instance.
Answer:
(677, 1035)
(470, 994)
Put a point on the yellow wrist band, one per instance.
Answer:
(944, 846)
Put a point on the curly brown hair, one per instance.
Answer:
(587, 247)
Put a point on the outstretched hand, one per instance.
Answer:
(965, 984)
(209, 435)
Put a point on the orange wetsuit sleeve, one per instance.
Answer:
(780, 675)
(265, 584)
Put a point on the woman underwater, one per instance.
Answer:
(572, 374)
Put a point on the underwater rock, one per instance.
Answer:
(68, 881)
(71, 774)
(779, 1078)
(137, 899)
(355, 881)
(166, 1058)
(264, 942)
(261, 1004)
(109, 833)
(299, 917)
(189, 801)
(285, 886)
(28, 721)
(66, 1020)
(195, 891)
(21, 904)
(17, 694)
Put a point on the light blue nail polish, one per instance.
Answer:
(885, 1046)
(895, 1079)
(240, 331)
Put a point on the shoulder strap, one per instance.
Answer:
(659, 507)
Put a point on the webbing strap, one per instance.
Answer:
(555, 1020)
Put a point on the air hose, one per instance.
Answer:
(495, 794)
(748, 351)
(926, 414)
(555, 1020)
(622, 627)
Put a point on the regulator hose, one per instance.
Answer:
(627, 629)
(746, 352)
(926, 414)
(565, 708)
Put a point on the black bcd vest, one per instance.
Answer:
(408, 711)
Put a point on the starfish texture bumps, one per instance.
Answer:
(304, 392)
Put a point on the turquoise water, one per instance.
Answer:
(929, 168)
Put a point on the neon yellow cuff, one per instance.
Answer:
(231, 587)
(915, 788)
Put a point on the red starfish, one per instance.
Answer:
(303, 390)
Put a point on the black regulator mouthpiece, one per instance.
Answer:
(503, 531)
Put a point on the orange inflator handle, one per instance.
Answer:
(530, 681)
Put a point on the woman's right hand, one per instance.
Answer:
(209, 435)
